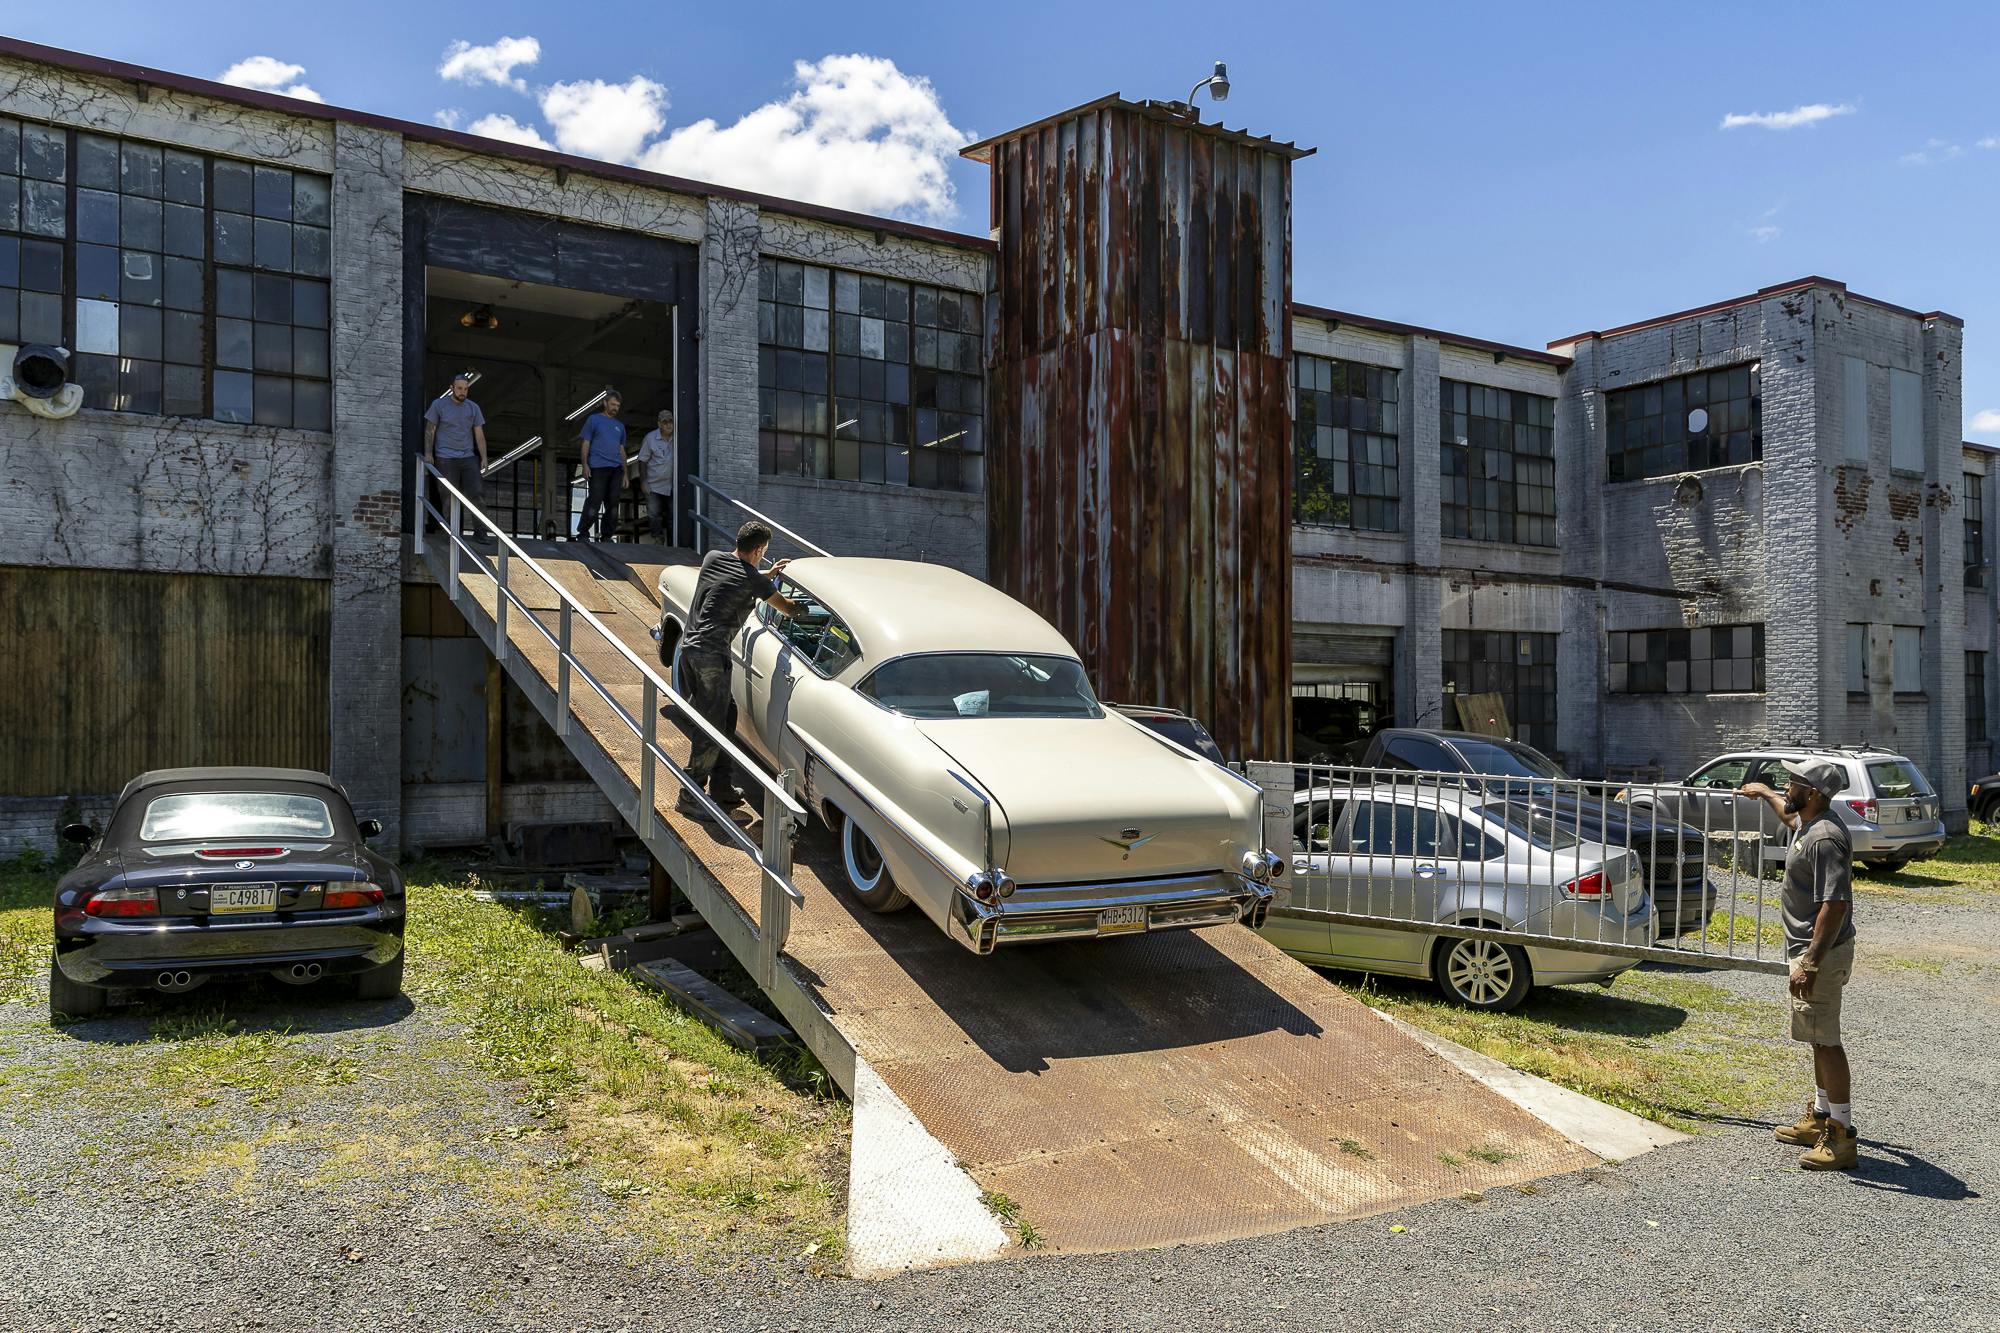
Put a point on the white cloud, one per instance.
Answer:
(268, 74)
(508, 129)
(1933, 152)
(1811, 114)
(465, 63)
(611, 121)
(855, 133)
(1991, 141)
(1766, 232)
(447, 116)
(1985, 423)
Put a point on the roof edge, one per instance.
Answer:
(104, 67)
(983, 150)
(1761, 294)
(1535, 354)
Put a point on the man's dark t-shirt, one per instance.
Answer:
(723, 595)
(1818, 869)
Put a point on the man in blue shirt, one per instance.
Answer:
(602, 447)
(455, 441)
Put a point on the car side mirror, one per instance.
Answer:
(80, 834)
(370, 828)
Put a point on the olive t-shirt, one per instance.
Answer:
(728, 587)
(1818, 869)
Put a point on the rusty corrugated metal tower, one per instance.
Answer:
(1140, 423)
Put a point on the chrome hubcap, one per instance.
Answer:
(1480, 970)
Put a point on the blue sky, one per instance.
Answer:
(1513, 172)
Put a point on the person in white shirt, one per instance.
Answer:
(655, 463)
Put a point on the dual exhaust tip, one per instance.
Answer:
(185, 980)
(305, 971)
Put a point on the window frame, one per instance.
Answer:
(111, 316)
(1976, 723)
(1674, 399)
(1973, 504)
(1366, 485)
(1619, 662)
(1530, 727)
(845, 391)
(1466, 411)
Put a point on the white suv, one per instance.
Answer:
(1890, 808)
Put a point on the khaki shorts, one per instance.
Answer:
(1816, 1019)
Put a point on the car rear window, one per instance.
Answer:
(937, 685)
(186, 816)
(1538, 826)
(1507, 759)
(1897, 777)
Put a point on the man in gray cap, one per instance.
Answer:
(1818, 910)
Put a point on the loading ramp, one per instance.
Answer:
(1178, 1087)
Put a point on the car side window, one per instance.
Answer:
(1313, 825)
(1381, 828)
(1723, 774)
(1419, 754)
(1770, 772)
(814, 631)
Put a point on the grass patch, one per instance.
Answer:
(1354, 1148)
(1966, 869)
(1673, 1048)
(1451, 1159)
(1731, 931)
(620, 1114)
(1490, 1156)
(1009, 1214)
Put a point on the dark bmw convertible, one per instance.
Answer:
(206, 872)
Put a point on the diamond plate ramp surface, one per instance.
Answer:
(1188, 1086)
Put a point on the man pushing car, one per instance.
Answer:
(730, 584)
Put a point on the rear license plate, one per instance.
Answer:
(1114, 919)
(242, 898)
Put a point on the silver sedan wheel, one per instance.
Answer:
(1480, 970)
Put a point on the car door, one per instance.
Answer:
(786, 655)
(1758, 814)
(1383, 864)
(1711, 802)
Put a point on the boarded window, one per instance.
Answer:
(1906, 421)
(117, 672)
(1855, 400)
(1857, 659)
(1908, 664)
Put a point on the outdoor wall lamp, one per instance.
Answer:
(36, 375)
(1217, 85)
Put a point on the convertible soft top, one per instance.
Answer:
(161, 777)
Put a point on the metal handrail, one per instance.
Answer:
(507, 459)
(656, 687)
(763, 518)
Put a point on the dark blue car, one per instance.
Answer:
(208, 872)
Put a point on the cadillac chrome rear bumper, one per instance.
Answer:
(1039, 913)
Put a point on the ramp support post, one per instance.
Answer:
(417, 508)
(649, 732)
(774, 917)
(499, 598)
(451, 540)
(562, 672)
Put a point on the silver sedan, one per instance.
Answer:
(1372, 866)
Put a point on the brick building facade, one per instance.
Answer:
(1457, 527)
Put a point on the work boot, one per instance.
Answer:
(729, 797)
(1837, 1149)
(1804, 1131)
(687, 804)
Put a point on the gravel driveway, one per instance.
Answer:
(1723, 1232)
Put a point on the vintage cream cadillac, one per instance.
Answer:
(950, 739)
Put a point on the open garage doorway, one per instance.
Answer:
(547, 313)
(543, 357)
(1343, 691)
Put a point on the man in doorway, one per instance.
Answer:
(455, 440)
(601, 440)
(729, 585)
(655, 462)
(1818, 910)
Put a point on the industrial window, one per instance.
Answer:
(1520, 668)
(1975, 696)
(184, 284)
(1497, 456)
(1717, 659)
(869, 379)
(1857, 659)
(1709, 419)
(1345, 424)
(1975, 530)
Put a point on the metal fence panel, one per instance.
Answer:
(1657, 871)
